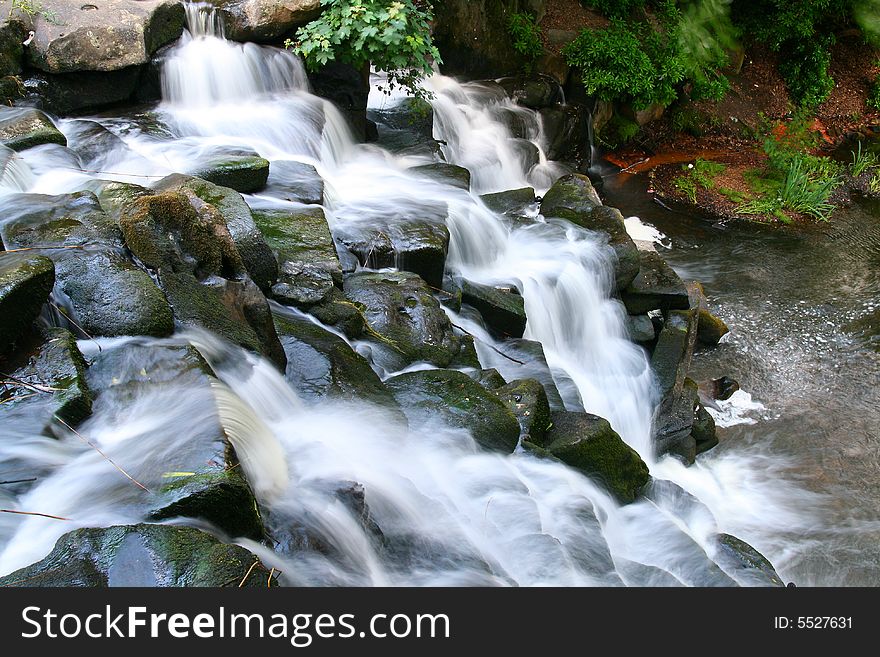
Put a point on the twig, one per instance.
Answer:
(248, 573)
(633, 165)
(495, 349)
(32, 513)
(269, 581)
(33, 386)
(17, 481)
(72, 321)
(98, 449)
(46, 248)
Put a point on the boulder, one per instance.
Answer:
(656, 287)
(264, 21)
(703, 430)
(407, 323)
(295, 181)
(308, 264)
(13, 31)
(566, 132)
(201, 271)
(744, 562)
(340, 312)
(56, 372)
(513, 201)
(710, 328)
(640, 329)
(527, 400)
(24, 127)
(349, 89)
(321, 364)
(102, 290)
(107, 35)
(92, 141)
(249, 241)
(531, 362)
(502, 308)
(66, 93)
(720, 388)
(26, 280)
(243, 173)
(574, 193)
(448, 174)
(532, 91)
(588, 443)
(455, 399)
(140, 556)
(490, 379)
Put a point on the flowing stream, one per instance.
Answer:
(449, 513)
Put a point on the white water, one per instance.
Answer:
(449, 513)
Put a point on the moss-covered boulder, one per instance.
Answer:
(321, 364)
(574, 193)
(527, 400)
(530, 361)
(490, 379)
(235, 213)
(142, 556)
(24, 127)
(656, 287)
(502, 308)
(103, 291)
(114, 196)
(513, 201)
(745, 563)
(308, 264)
(405, 321)
(295, 181)
(243, 173)
(456, 400)
(341, 313)
(588, 443)
(448, 174)
(26, 280)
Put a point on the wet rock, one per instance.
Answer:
(703, 430)
(656, 286)
(448, 174)
(640, 329)
(527, 153)
(565, 128)
(720, 388)
(26, 280)
(295, 181)
(341, 313)
(532, 91)
(235, 213)
(320, 364)
(142, 555)
(309, 266)
(56, 373)
(113, 196)
(744, 562)
(514, 201)
(490, 379)
(116, 34)
(527, 400)
(13, 31)
(674, 424)
(532, 364)
(574, 193)
(349, 89)
(102, 289)
(502, 308)
(588, 443)
(710, 328)
(264, 21)
(243, 173)
(92, 141)
(200, 270)
(405, 320)
(24, 127)
(455, 399)
(66, 93)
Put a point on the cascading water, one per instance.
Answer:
(441, 511)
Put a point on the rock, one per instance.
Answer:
(114, 35)
(243, 173)
(341, 313)
(309, 266)
(13, 32)
(264, 21)
(710, 329)
(66, 93)
(744, 562)
(320, 365)
(721, 388)
(26, 280)
(448, 174)
(114, 196)
(588, 443)
(295, 181)
(703, 430)
(405, 320)
(656, 286)
(573, 198)
(95, 280)
(502, 308)
(349, 89)
(490, 379)
(58, 370)
(530, 354)
(527, 152)
(23, 127)
(249, 241)
(514, 201)
(200, 270)
(453, 398)
(532, 91)
(640, 329)
(92, 141)
(566, 131)
(206, 481)
(142, 555)
(527, 400)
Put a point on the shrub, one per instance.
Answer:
(615, 8)
(526, 36)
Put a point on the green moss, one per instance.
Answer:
(527, 399)
(21, 129)
(243, 174)
(26, 280)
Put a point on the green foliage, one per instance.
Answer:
(687, 186)
(31, 9)
(874, 185)
(615, 8)
(393, 35)
(526, 36)
(874, 91)
(618, 132)
(804, 65)
(701, 173)
(862, 161)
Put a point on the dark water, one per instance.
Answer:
(803, 306)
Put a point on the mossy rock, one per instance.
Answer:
(26, 280)
(710, 328)
(527, 400)
(502, 308)
(244, 173)
(114, 196)
(448, 174)
(656, 287)
(455, 399)
(588, 443)
(674, 421)
(745, 563)
(23, 128)
(703, 430)
(341, 313)
(143, 556)
(295, 181)
(490, 379)
(513, 201)
(573, 192)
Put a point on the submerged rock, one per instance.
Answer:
(710, 328)
(527, 400)
(513, 201)
(745, 562)
(587, 442)
(24, 127)
(26, 280)
(502, 308)
(455, 399)
(296, 181)
(656, 287)
(448, 174)
(142, 555)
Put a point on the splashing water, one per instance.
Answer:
(433, 508)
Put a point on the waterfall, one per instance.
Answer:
(440, 510)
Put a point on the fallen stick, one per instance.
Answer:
(495, 349)
(33, 513)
